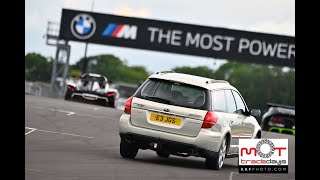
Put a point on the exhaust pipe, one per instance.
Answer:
(154, 146)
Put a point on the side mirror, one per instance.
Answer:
(255, 112)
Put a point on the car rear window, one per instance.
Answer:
(174, 93)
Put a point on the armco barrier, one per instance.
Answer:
(126, 90)
(37, 88)
(43, 89)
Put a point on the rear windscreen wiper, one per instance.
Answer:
(159, 99)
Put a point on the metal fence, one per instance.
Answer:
(43, 89)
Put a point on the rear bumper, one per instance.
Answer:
(206, 140)
(282, 130)
(167, 146)
(88, 96)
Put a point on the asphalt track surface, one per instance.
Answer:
(71, 141)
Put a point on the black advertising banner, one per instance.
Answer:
(221, 43)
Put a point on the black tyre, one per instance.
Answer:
(102, 102)
(164, 155)
(111, 104)
(67, 97)
(128, 150)
(111, 101)
(257, 136)
(216, 163)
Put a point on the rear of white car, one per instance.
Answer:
(92, 87)
(174, 116)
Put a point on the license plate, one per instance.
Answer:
(165, 119)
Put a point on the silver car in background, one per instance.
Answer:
(186, 115)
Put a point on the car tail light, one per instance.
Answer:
(209, 120)
(127, 107)
(70, 88)
(277, 119)
(109, 94)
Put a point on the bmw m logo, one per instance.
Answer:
(83, 26)
(125, 31)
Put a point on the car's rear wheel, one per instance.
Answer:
(103, 102)
(111, 104)
(164, 155)
(128, 150)
(257, 136)
(111, 101)
(217, 162)
(67, 97)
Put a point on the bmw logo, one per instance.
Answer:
(83, 26)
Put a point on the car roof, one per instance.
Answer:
(203, 82)
(282, 110)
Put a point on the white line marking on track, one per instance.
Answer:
(33, 169)
(31, 130)
(71, 113)
(65, 133)
(231, 174)
(65, 102)
(69, 134)
(103, 117)
(68, 112)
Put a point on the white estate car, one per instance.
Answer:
(186, 115)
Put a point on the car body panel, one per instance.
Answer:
(191, 119)
(234, 125)
(206, 138)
